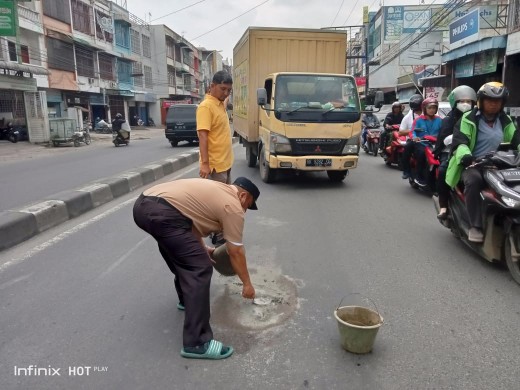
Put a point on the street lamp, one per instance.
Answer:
(208, 68)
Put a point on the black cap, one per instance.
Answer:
(249, 186)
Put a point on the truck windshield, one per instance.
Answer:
(304, 98)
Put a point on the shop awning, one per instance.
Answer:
(499, 42)
(27, 68)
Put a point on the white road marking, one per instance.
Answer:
(123, 258)
(14, 281)
(39, 248)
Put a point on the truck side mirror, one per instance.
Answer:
(261, 96)
(379, 99)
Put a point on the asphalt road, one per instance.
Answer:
(95, 293)
(36, 172)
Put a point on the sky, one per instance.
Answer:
(194, 19)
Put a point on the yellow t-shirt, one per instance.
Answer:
(212, 117)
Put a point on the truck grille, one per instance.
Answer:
(317, 146)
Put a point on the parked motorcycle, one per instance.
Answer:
(10, 133)
(81, 136)
(500, 201)
(393, 153)
(151, 123)
(430, 169)
(103, 127)
(371, 146)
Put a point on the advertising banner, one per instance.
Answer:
(465, 29)
(485, 62)
(426, 51)
(7, 19)
(464, 67)
(416, 19)
(393, 24)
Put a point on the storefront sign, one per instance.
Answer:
(433, 92)
(465, 29)
(416, 20)
(486, 62)
(464, 67)
(361, 81)
(393, 23)
(7, 19)
(168, 103)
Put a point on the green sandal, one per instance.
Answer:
(213, 351)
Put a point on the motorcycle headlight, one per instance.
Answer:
(352, 146)
(279, 144)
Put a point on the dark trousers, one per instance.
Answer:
(187, 259)
(473, 184)
(383, 139)
(443, 189)
(417, 149)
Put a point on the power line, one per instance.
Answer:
(337, 13)
(179, 10)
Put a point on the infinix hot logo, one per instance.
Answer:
(36, 371)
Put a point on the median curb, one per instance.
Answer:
(26, 222)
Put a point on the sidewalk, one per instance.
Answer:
(21, 224)
(24, 150)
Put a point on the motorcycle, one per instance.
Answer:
(81, 136)
(103, 127)
(151, 123)
(123, 136)
(430, 169)
(393, 153)
(10, 133)
(500, 201)
(373, 132)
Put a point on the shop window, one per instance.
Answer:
(146, 46)
(81, 17)
(24, 52)
(135, 39)
(84, 61)
(11, 48)
(60, 55)
(57, 9)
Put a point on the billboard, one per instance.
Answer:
(7, 19)
(426, 51)
(465, 29)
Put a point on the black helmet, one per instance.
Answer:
(397, 104)
(119, 115)
(416, 101)
(492, 90)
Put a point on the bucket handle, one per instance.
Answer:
(364, 296)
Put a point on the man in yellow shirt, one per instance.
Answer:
(215, 143)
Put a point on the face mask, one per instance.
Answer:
(463, 107)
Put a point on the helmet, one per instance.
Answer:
(119, 115)
(416, 101)
(492, 90)
(428, 102)
(462, 92)
(369, 109)
(396, 104)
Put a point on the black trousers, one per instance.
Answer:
(417, 149)
(443, 189)
(187, 259)
(473, 184)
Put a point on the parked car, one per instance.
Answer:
(181, 124)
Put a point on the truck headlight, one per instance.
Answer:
(279, 144)
(352, 146)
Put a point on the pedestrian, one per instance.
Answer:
(178, 214)
(214, 132)
(479, 132)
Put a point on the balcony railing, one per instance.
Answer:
(29, 14)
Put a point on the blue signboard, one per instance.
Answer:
(464, 30)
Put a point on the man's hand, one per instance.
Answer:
(466, 160)
(204, 170)
(248, 291)
(416, 139)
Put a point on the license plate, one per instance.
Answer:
(318, 162)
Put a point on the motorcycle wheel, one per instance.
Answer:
(76, 142)
(513, 262)
(13, 138)
(412, 183)
(375, 148)
(88, 140)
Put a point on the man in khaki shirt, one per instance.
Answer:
(215, 142)
(178, 214)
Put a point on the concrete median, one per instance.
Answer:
(23, 223)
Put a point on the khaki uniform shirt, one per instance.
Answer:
(212, 116)
(211, 205)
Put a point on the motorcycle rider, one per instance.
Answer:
(430, 124)
(369, 120)
(117, 124)
(479, 132)
(461, 99)
(392, 118)
(415, 110)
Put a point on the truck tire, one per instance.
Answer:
(337, 176)
(267, 174)
(250, 157)
(174, 143)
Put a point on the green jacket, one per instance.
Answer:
(465, 135)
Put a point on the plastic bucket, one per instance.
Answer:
(358, 327)
(222, 261)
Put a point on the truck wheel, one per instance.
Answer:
(250, 157)
(267, 174)
(337, 176)
(174, 143)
